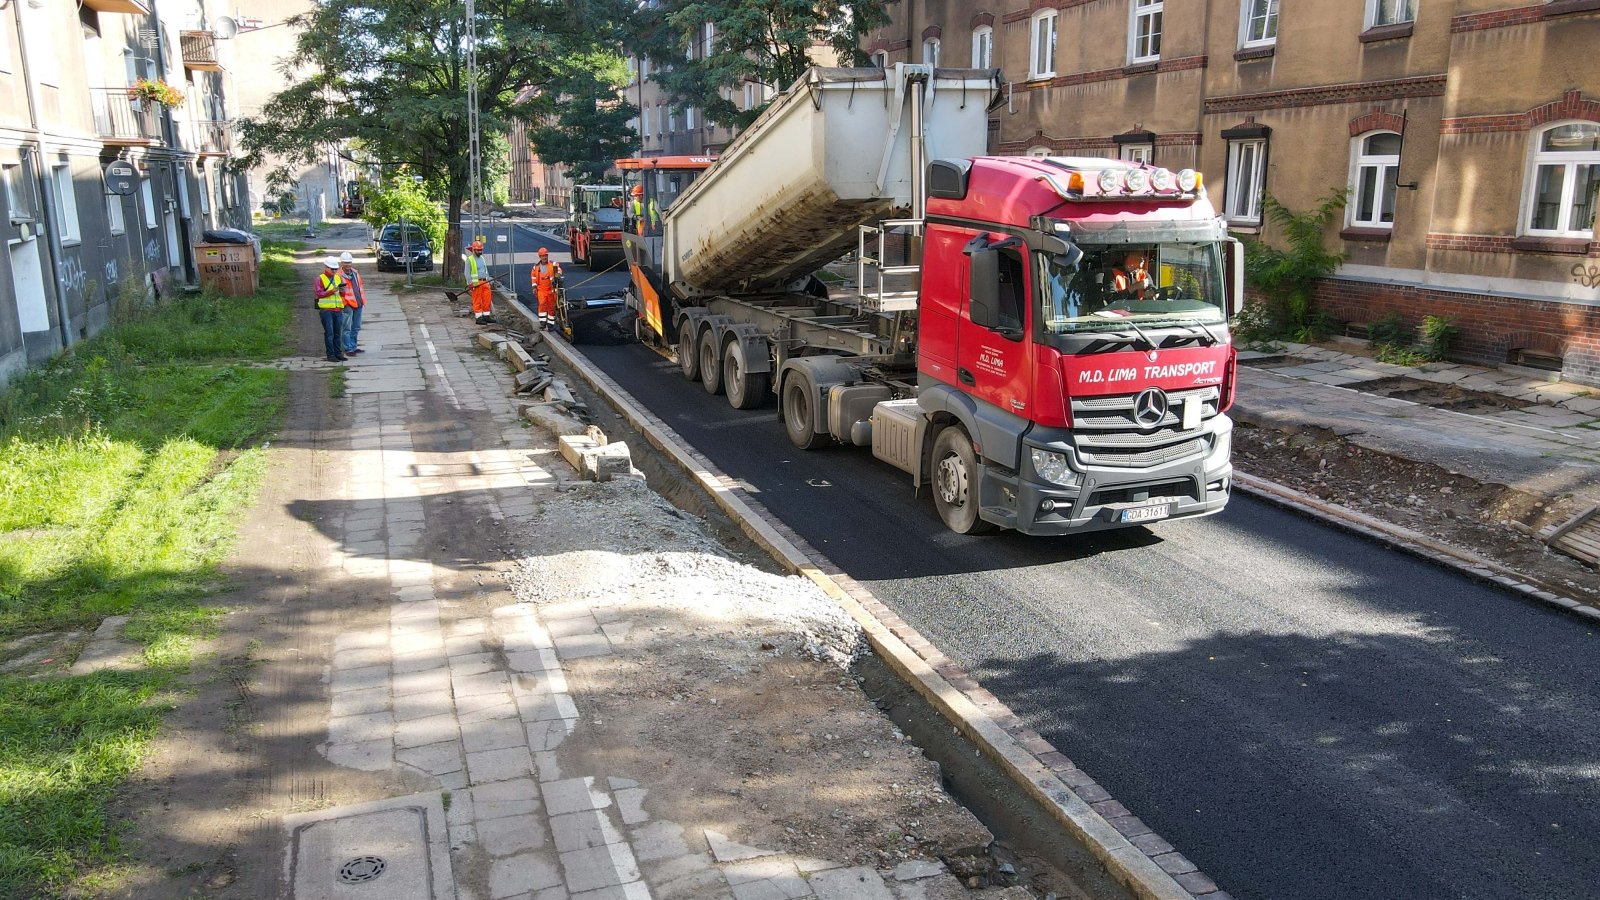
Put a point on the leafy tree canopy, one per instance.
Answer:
(580, 121)
(392, 75)
(767, 42)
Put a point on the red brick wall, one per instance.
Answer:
(1490, 327)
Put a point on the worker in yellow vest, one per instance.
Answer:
(329, 292)
(643, 210)
(478, 281)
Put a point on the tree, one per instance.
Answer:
(392, 75)
(767, 42)
(1288, 275)
(580, 121)
(403, 198)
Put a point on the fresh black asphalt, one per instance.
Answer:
(1302, 713)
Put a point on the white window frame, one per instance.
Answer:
(116, 222)
(20, 204)
(1142, 12)
(66, 197)
(1250, 193)
(644, 116)
(672, 120)
(1139, 153)
(1247, 21)
(1043, 67)
(880, 59)
(708, 40)
(1388, 166)
(1375, 9)
(930, 52)
(1539, 158)
(983, 47)
(147, 192)
(205, 189)
(1039, 151)
(688, 118)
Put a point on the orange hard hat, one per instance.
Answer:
(544, 251)
(638, 190)
(476, 245)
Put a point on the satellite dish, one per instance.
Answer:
(227, 28)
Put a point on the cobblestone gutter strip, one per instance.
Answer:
(1408, 541)
(1132, 854)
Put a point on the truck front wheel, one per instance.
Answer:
(955, 483)
(688, 352)
(797, 419)
(746, 389)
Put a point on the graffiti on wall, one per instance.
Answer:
(1586, 274)
(73, 275)
(112, 272)
(152, 250)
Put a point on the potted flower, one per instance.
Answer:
(156, 91)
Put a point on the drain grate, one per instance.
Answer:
(362, 869)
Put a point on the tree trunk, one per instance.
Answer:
(454, 245)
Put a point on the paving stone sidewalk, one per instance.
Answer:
(466, 689)
(1549, 446)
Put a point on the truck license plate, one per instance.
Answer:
(1145, 513)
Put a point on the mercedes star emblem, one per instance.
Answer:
(1150, 408)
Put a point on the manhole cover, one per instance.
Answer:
(362, 869)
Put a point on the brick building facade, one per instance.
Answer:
(1466, 131)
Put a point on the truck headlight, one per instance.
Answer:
(1052, 467)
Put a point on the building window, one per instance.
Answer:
(1374, 176)
(1144, 32)
(66, 202)
(983, 47)
(672, 120)
(1246, 171)
(1139, 153)
(114, 214)
(1390, 12)
(881, 59)
(1259, 23)
(930, 52)
(1042, 45)
(1564, 180)
(205, 190)
(19, 193)
(688, 118)
(1038, 151)
(148, 194)
(645, 117)
(708, 40)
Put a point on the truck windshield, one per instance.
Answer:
(1149, 285)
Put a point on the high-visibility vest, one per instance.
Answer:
(472, 267)
(638, 214)
(330, 291)
(350, 290)
(544, 275)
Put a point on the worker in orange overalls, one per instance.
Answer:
(546, 277)
(478, 281)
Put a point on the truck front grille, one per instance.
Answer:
(1107, 435)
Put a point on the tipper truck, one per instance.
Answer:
(1042, 341)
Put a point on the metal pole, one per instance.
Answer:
(474, 158)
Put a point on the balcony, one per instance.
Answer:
(131, 7)
(199, 50)
(211, 138)
(119, 120)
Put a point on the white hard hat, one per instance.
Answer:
(331, 262)
(346, 257)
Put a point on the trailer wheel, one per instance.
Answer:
(688, 353)
(640, 330)
(710, 362)
(797, 419)
(955, 483)
(746, 390)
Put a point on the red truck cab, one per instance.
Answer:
(1072, 320)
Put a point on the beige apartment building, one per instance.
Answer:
(67, 120)
(1466, 131)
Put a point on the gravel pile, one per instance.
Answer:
(619, 544)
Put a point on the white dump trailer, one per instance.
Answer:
(841, 148)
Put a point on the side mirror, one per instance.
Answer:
(985, 288)
(1235, 272)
